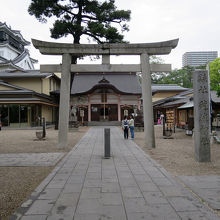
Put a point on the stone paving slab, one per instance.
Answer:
(128, 186)
(30, 159)
(206, 187)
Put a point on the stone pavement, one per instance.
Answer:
(206, 187)
(29, 159)
(128, 186)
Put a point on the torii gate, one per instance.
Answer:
(144, 50)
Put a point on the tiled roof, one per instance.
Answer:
(183, 99)
(20, 57)
(24, 74)
(15, 33)
(126, 83)
(189, 104)
(167, 87)
(179, 101)
(11, 85)
(174, 100)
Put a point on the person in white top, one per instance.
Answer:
(131, 126)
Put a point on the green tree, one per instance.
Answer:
(182, 77)
(155, 76)
(214, 69)
(92, 18)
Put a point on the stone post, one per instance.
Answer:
(89, 109)
(64, 101)
(201, 116)
(107, 147)
(44, 127)
(147, 102)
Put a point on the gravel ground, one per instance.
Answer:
(177, 155)
(17, 183)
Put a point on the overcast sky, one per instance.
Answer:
(195, 22)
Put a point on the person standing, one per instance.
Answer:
(125, 127)
(131, 126)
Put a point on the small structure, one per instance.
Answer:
(174, 97)
(183, 106)
(178, 106)
(42, 134)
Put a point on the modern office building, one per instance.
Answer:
(198, 58)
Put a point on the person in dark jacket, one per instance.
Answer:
(125, 127)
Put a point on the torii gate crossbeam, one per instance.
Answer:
(67, 50)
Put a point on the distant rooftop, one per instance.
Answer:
(167, 87)
(15, 33)
(24, 74)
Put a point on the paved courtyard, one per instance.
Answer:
(128, 186)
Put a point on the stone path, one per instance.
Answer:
(206, 187)
(128, 186)
(30, 159)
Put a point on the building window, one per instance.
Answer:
(20, 115)
(23, 113)
(3, 36)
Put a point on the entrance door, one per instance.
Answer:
(95, 115)
(104, 112)
(113, 112)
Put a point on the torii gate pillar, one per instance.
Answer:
(147, 102)
(64, 101)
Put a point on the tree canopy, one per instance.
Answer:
(214, 69)
(182, 77)
(95, 19)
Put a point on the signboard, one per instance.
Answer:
(81, 113)
(125, 112)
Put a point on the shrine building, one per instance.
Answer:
(104, 97)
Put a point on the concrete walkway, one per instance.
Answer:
(129, 186)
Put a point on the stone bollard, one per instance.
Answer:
(44, 128)
(107, 143)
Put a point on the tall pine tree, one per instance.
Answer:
(98, 20)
